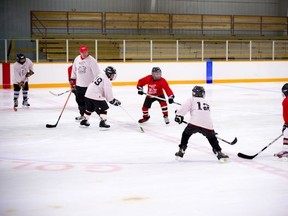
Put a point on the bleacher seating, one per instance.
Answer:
(111, 28)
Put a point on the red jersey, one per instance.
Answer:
(285, 110)
(72, 83)
(69, 71)
(155, 87)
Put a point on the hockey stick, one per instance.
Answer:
(250, 157)
(159, 98)
(230, 143)
(55, 125)
(141, 128)
(59, 93)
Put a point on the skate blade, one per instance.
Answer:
(84, 126)
(224, 160)
(103, 129)
(284, 159)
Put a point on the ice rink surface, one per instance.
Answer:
(74, 171)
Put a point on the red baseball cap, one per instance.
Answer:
(83, 49)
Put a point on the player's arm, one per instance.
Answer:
(168, 91)
(142, 82)
(29, 73)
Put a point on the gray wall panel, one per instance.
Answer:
(15, 14)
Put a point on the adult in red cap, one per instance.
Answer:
(84, 70)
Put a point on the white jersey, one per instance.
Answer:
(20, 71)
(100, 89)
(199, 112)
(84, 70)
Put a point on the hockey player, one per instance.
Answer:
(96, 95)
(156, 84)
(200, 122)
(23, 68)
(84, 70)
(284, 153)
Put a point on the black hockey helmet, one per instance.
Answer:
(110, 73)
(285, 89)
(198, 91)
(20, 58)
(156, 73)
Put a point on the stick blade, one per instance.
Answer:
(53, 93)
(234, 141)
(249, 157)
(142, 130)
(50, 126)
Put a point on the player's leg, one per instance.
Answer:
(16, 88)
(25, 90)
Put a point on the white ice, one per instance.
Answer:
(74, 171)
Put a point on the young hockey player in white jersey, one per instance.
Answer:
(23, 68)
(84, 70)
(200, 122)
(98, 92)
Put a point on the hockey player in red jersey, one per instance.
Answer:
(284, 153)
(200, 122)
(156, 84)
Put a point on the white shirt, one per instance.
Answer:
(84, 70)
(20, 71)
(199, 112)
(100, 89)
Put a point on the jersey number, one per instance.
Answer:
(203, 106)
(98, 81)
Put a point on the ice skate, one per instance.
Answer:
(15, 103)
(179, 154)
(25, 103)
(103, 124)
(85, 122)
(282, 155)
(79, 118)
(221, 156)
(144, 119)
(166, 120)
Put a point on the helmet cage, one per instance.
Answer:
(111, 73)
(285, 89)
(156, 73)
(198, 91)
(20, 58)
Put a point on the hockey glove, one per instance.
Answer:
(140, 90)
(30, 73)
(72, 83)
(179, 119)
(284, 127)
(21, 84)
(115, 102)
(171, 99)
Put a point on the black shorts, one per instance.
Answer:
(95, 105)
(149, 100)
(192, 129)
(18, 88)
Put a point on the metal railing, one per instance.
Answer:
(104, 50)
